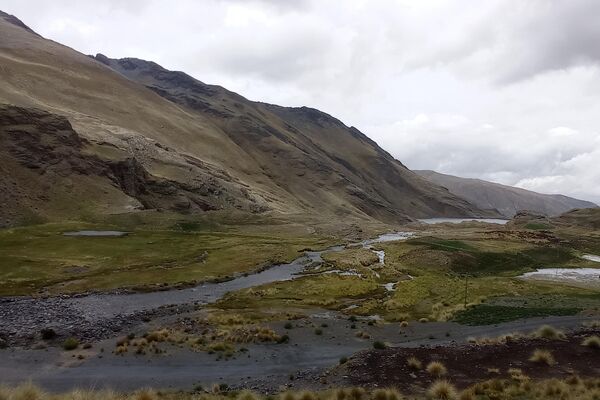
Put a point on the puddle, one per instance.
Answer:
(380, 255)
(584, 276)
(96, 233)
(591, 257)
(351, 272)
(432, 221)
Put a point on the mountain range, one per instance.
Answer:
(88, 135)
(507, 200)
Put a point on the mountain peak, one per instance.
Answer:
(16, 21)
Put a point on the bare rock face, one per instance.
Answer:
(46, 145)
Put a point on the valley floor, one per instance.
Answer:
(312, 315)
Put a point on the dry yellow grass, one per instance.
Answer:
(549, 332)
(442, 390)
(542, 357)
(591, 341)
(571, 388)
(414, 363)
(436, 368)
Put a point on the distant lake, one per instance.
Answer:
(459, 220)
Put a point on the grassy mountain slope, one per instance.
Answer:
(212, 148)
(507, 200)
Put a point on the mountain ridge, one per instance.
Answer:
(508, 200)
(179, 129)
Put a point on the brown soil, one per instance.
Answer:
(468, 364)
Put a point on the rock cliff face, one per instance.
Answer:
(115, 135)
(46, 148)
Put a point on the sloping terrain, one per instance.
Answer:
(507, 200)
(61, 169)
(212, 148)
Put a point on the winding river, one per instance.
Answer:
(109, 305)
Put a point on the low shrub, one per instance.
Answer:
(70, 344)
(379, 345)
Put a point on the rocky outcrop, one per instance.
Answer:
(47, 145)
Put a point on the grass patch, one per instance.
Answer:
(40, 257)
(537, 226)
(484, 314)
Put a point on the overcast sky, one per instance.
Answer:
(507, 91)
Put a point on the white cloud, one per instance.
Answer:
(507, 90)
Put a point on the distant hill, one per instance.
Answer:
(85, 135)
(508, 200)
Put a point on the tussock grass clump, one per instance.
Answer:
(362, 335)
(287, 396)
(442, 390)
(221, 346)
(70, 344)
(517, 374)
(306, 395)
(26, 391)
(506, 338)
(467, 394)
(403, 324)
(549, 332)
(424, 320)
(592, 342)
(356, 393)
(414, 363)
(542, 357)
(145, 394)
(157, 336)
(386, 394)
(247, 395)
(379, 345)
(436, 368)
